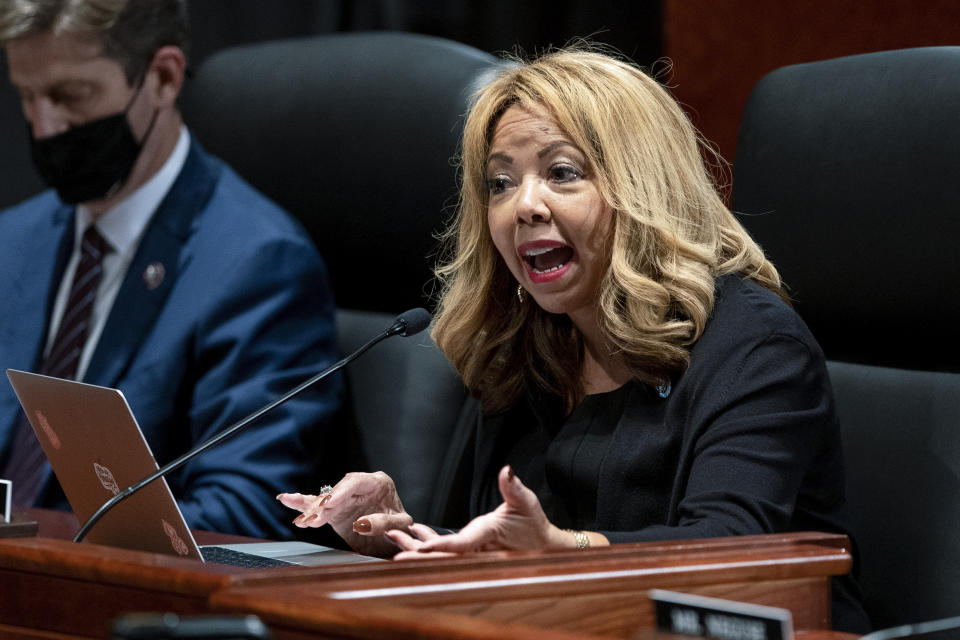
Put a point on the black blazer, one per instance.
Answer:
(747, 440)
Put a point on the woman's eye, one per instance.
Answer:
(564, 173)
(496, 184)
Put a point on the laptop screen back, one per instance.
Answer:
(96, 450)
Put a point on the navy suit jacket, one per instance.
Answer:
(243, 313)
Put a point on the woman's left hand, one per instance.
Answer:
(518, 523)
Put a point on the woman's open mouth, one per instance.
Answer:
(545, 259)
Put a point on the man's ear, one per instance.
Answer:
(169, 64)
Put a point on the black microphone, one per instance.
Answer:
(406, 324)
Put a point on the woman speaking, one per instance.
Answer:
(641, 373)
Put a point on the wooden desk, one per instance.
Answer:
(56, 589)
(597, 592)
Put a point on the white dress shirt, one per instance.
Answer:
(122, 226)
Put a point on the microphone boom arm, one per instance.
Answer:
(402, 326)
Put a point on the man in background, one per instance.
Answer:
(150, 266)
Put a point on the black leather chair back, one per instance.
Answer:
(405, 398)
(354, 134)
(848, 174)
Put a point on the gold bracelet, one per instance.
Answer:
(582, 540)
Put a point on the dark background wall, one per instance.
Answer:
(489, 25)
(719, 49)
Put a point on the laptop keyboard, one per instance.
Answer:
(220, 555)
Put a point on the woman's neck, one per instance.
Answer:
(603, 372)
(603, 369)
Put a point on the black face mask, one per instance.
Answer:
(88, 161)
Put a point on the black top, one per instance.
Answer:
(745, 441)
(559, 459)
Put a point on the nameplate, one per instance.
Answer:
(703, 617)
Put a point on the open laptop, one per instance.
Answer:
(96, 449)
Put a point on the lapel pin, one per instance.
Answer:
(153, 275)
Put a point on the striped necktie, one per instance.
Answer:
(26, 463)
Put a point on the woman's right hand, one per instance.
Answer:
(360, 508)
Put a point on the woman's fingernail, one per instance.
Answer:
(509, 472)
(324, 500)
(279, 496)
(311, 518)
(362, 526)
(299, 519)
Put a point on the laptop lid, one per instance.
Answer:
(96, 449)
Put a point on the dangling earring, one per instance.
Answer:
(520, 293)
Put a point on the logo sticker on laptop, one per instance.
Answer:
(175, 540)
(47, 429)
(106, 478)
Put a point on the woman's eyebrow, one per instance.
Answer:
(503, 157)
(553, 145)
(499, 155)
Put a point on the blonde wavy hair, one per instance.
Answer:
(672, 235)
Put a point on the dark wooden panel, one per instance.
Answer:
(54, 589)
(721, 49)
(602, 592)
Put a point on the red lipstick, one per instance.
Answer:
(545, 260)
